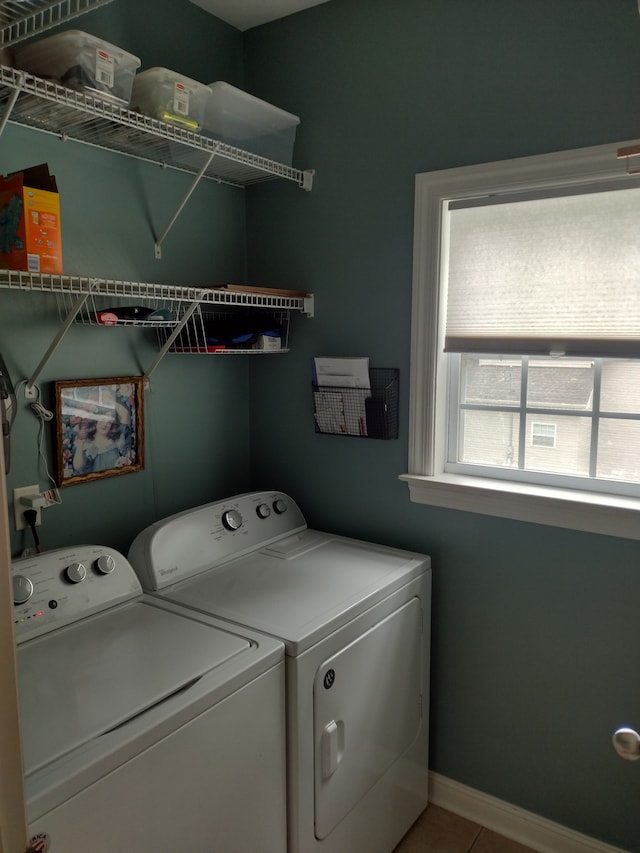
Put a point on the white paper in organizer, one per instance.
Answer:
(343, 372)
(342, 413)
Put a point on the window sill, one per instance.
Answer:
(572, 509)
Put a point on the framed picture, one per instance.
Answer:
(99, 428)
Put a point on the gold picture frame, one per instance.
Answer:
(99, 428)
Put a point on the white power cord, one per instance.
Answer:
(41, 413)
(44, 415)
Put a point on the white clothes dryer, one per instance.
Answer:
(145, 726)
(355, 621)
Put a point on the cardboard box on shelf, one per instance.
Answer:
(270, 343)
(30, 233)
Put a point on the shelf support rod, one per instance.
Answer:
(187, 316)
(190, 191)
(28, 391)
(11, 103)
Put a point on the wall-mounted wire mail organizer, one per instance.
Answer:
(365, 412)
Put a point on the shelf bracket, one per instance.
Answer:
(11, 103)
(190, 191)
(55, 343)
(174, 334)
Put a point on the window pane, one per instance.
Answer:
(543, 435)
(551, 442)
(571, 452)
(620, 386)
(619, 450)
(560, 383)
(489, 438)
(495, 381)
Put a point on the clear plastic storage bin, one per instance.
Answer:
(83, 62)
(171, 97)
(246, 122)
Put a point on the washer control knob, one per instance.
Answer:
(263, 510)
(280, 506)
(232, 519)
(75, 573)
(105, 564)
(22, 589)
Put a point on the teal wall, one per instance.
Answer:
(536, 633)
(535, 630)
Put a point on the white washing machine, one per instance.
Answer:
(145, 726)
(355, 621)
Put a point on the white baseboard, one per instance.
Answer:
(512, 822)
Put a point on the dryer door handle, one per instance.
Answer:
(332, 747)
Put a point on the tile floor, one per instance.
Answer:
(440, 831)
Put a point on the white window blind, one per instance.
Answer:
(546, 275)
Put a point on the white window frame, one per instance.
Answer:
(428, 483)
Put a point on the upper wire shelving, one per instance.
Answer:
(20, 19)
(48, 107)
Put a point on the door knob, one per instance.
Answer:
(626, 743)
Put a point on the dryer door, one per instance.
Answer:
(366, 712)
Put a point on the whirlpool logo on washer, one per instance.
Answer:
(39, 843)
(171, 571)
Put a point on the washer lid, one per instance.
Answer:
(79, 682)
(302, 587)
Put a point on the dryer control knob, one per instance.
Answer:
(232, 519)
(280, 506)
(75, 573)
(105, 564)
(22, 589)
(263, 510)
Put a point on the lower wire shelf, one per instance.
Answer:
(231, 332)
(142, 311)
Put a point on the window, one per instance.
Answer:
(525, 388)
(543, 435)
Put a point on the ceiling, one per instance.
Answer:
(244, 14)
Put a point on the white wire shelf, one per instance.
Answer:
(222, 332)
(89, 286)
(148, 293)
(51, 108)
(82, 299)
(20, 19)
(143, 312)
(48, 107)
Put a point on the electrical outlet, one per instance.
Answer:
(19, 507)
